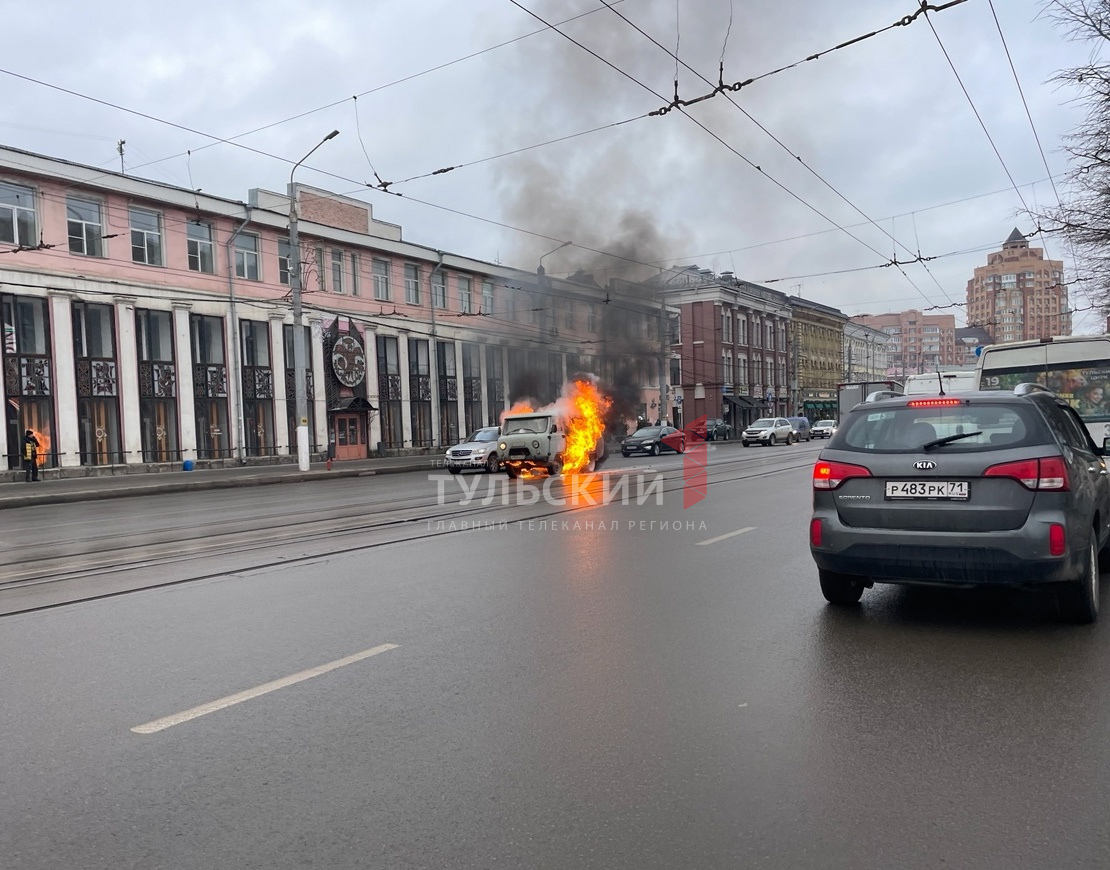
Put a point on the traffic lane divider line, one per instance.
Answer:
(246, 695)
(729, 535)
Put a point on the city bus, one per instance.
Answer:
(1075, 367)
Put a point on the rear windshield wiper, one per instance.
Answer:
(929, 445)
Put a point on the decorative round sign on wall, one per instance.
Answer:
(348, 360)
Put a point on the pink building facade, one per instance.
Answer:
(145, 323)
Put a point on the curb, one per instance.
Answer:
(180, 485)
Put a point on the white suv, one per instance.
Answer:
(769, 431)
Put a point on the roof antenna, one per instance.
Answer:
(940, 382)
(119, 148)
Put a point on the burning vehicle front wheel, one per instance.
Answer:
(511, 471)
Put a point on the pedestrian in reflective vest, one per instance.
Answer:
(30, 457)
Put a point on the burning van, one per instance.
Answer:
(564, 438)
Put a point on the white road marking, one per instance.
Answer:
(745, 704)
(729, 535)
(265, 688)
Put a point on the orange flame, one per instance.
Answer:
(518, 408)
(43, 448)
(584, 424)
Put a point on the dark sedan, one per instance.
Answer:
(653, 440)
(972, 489)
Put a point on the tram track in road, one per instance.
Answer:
(138, 563)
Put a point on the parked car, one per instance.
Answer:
(478, 451)
(768, 431)
(717, 429)
(649, 440)
(823, 429)
(802, 429)
(980, 489)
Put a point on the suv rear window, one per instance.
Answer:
(972, 427)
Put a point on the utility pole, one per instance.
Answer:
(298, 317)
(663, 340)
(119, 148)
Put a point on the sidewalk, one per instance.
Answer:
(59, 490)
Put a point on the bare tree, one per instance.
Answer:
(1084, 212)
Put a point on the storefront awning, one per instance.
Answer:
(352, 404)
(741, 402)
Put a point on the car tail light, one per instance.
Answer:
(815, 533)
(829, 475)
(1046, 473)
(933, 403)
(1057, 540)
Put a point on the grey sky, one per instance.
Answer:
(884, 122)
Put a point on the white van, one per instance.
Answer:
(960, 381)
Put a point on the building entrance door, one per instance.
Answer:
(349, 436)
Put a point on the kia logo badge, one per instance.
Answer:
(924, 464)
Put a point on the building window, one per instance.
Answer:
(93, 331)
(487, 299)
(336, 270)
(157, 385)
(389, 391)
(285, 252)
(591, 318)
(466, 302)
(97, 384)
(412, 284)
(210, 405)
(354, 275)
(726, 328)
(381, 280)
(201, 252)
(146, 236)
(321, 277)
(86, 229)
(568, 314)
(439, 289)
(17, 215)
(246, 256)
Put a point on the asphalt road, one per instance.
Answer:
(525, 696)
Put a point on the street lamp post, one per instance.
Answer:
(298, 319)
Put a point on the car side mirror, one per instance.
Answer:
(1106, 446)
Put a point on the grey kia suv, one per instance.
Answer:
(975, 489)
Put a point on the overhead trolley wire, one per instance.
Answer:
(781, 144)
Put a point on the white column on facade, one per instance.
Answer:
(483, 378)
(236, 440)
(127, 370)
(406, 395)
(277, 371)
(183, 348)
(373, 395)
(504, 383)
(460, 388)
(67, 440)
(319, 396)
